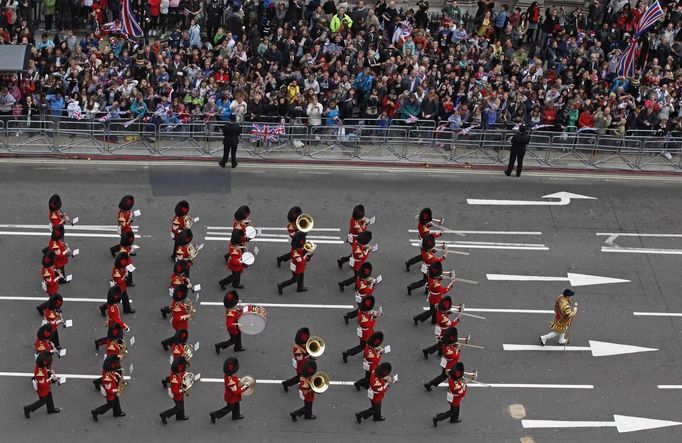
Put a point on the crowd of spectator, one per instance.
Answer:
(320, 62)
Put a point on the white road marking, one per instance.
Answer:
(229, 228)
(641, 250)
(490, 245)
(504, 311)
(275, 240)
(523, 386)
(68, 234)
(69, 228)
(572, 278)
(669, 386)
(564, 199)
(314, 172)
(49, 169)
(612, 236)
(273, 382)
(72, 376)
(635, 234)
(486, 232)
(285, 236)
(657, 314)
(598, 348)
(42, 299)
(622, 423)
(283, 305)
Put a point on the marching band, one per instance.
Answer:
(251, 319)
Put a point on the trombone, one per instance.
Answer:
(315, 346)
(451, 275)
(319, 382)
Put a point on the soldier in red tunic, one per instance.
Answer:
(232, 316)
(443, 322)
(111, 310)
(50, 278)
(367, 318)
(56, 215)
(358, 223)
(364, 286)
(180, 313)
(379, 383)
(233, 391)
(179, 223)
(292, 229)
(423, 228)
(122, 278)
(457, 389)
(178, 277)
(241, 218)
(61, 251)
(436, 291)
(428, 256)
(124, 219)
(53, 317)
(234, 261)
(372, 357)
(177, 349)
(361, 250)
(42, 381)
(300, 357)
(114, 346)
(111, 376)
(299, 259)
(176, 391)
(306, 392)
(450, 350)
(43, 340)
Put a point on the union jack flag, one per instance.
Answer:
(266, 133)
(626, 65)
(129, 25)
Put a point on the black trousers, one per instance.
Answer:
(306, 410)
(419, 283)
(364, 381)
(421, 317)
(432, 349)
(512, 159)
(295, 278)
(168, 341)
(234, 408)
(439, 379)
(344, 259)
(293, 380)
(374, 410)
(353, 313)
(284, 257)
(54, 338)
(350, 280)
(356, 349)
(414, 260)
(176, 245)
(178, 410)
(114, 404)
(227, 150)
(234, 278)
(47, 400)
(452, 414)
(235, 340)
(125, 300)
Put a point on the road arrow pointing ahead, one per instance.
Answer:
(573, 279)
(598, 348)
(564, 199)
(622, 423)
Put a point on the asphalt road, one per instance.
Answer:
(620, 384)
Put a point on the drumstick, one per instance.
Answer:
(464, 280)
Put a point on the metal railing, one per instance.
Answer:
(354, 139)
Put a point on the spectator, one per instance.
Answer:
(314, 112)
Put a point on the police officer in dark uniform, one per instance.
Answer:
(231, 132)
(519, 142)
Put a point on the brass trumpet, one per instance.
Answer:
(123, 350)
(122, 383)
(249, 382)
(315, 346)
(319, 382)
(304, 223)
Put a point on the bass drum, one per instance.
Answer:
(253, 320)
(248, 259)
(250, 233)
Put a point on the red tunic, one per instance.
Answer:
(306, 390)
(236, 224)
(362, 287)
(43, 346)
(355, 227)
(179, 319)
(56, 217)
(429, 257)
(59, 248)
(366, 322)
(300, 357)
(450, 356)
(299, 259)
(118, 275)
(42, 379)
(425, 229)
(360, 254)
(372, 358)
(457, 390)
(177, 350)
(50, 280)
(114, 316)
(182, 253)
(177, 280)
(125, 220)
(436, 290)
(235, 264)
(291, 229)
(233, 390)
(443, 322)
(52, 318)
(110, 384)
(176, 386)
(113, 347)
(232, 316)
(177, 225)
(378, 388)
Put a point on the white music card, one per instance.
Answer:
(132, 340)
(387, 349)
(74, 220)
(196, 346)
(68, 323)
(62, 352)
(75, 252)
(69, 277)
(372, 220)
(62, 380)
(131, 268)
(378, 280)
(195, 219)
(197, 288)
(137, 213)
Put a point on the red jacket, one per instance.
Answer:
(236, 224)
(443, 322)
(50, 280)
(450, 356)
(235, 264)
(59, 248)
(43, 346)
(355, 227)
(113, 347)
(110, 384)
(56, 217)
(52, 317)
(179, 310)
(362, 287)
(182, 253)
(177, 225)
(425, 229)
(366, 322)
(118, 275)
(114, 316)
(457, 390)
(233, 390)
(372, 358)
(176, 386)
(42, 379)
(291, 229)
(177, 280)
(360, 254)
(378, 388)
(125, 220)
(436, 290)
(232, 316)
(177, 350)
(154, 8)
(306, 390)
(429, 257)
(298, 260)
(300, 357)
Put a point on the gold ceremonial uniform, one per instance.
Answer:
(563, 314)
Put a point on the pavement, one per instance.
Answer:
(540, 244)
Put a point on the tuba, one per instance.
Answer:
(187, 381)
(319, 382)
(309, 247)
(122, 383)
(249, 382)
(315, 346)
(304, 222)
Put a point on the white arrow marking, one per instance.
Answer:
(598, 348)
(622, 423)
(573, 279)
(564, 199)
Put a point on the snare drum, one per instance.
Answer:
(250, 233)
(253, 320)
(248, 259)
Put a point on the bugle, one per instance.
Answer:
(319, 382)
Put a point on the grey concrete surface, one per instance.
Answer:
(623, 384)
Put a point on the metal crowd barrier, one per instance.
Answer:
(354, 139)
